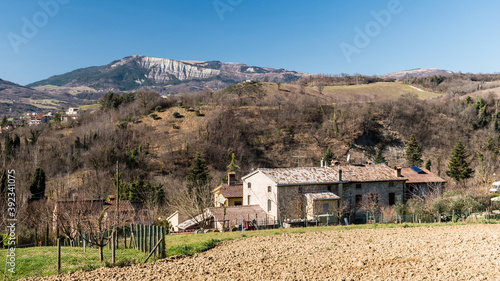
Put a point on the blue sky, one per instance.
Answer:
(308, 36)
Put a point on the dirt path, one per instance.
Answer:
(438, 253)
(418, 89)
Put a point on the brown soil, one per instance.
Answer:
(438, 253)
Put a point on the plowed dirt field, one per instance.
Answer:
(469, 252)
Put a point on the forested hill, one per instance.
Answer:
(262, 124)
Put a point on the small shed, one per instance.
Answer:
(216, 218)
(320, 203)
(175, 219)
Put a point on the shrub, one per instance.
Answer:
(158, 108)
(123, 125)
(197, 113)
(132, 119)
(153, 115)
(176, 115)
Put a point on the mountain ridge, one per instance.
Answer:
(417, 73)
(166, 75)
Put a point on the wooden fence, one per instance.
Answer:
(148, 238)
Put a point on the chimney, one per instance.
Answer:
(322, 162)
(340, 175)
(398, 172)
(231, 178)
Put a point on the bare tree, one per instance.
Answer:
(320, 87)
(95, 232)
(194, 204)
(371, 202)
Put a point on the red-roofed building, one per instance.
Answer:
(217, 217)
(39, 119)
(420, 182)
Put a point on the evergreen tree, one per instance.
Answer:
(16, 142)
(198, 176)
(379, 158)
(8, 147)
(232, 167)
(140, 191)
(4, 122)
(428, 164)
(3, 186)
(413, 152)
(458, 167)
(328, 157)
(37, 187)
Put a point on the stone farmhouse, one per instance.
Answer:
(287, 194)
(302, 193)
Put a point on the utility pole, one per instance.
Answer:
(117, 198)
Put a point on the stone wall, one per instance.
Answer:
(291, 200)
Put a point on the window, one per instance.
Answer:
(359, 200)
(269, 202)
(326, 208)
(358, 185)
(249, 197)
(391, 184)
(269, 188)
(392, 198)
(249, 185)
(237, 203)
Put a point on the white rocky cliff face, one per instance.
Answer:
(161, 70)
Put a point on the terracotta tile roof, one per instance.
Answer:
(85, 206)
(323, 175)
(234, 214)
(425, 177)
(321, 195)
(231, 191)
(92, 206)
(125, 206)
(369, 173)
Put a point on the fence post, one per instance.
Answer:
(141, 237)
(150, 246)
(144, 238)
(157, 231)
(117, 231)
(163, 237)
(84, 243)
(58, 255)
(113, 247)
(125, 237)
(109, 241)
(154, 239)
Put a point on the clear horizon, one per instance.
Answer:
(51, 37)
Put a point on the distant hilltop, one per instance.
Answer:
(166, 75)
(418, 72)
